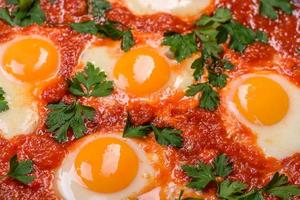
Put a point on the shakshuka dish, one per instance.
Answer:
(149, 99)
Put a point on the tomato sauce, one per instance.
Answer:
(205, 135)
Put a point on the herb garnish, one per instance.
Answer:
(209, 36)
(268, 7)
(203, 174)
(3, 102)
(164, 136)
(181, 197)
(27, 12)
(91, 82)
(63, 117)
(20, 170)
(105, 28)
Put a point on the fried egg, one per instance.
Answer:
(103, 167)
(179, 8)
(269, 104)
(24, 63)
(143, 71)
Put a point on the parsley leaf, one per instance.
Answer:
(268, 7)
(3, 102)
(100, 7)
(89, 27)
(222, 15)
(217, 80)
(231, 190)
(201, 174)
(222, 166)
(91, 82)
(136, 132)
(164, 136)
(181, 197)
(127, 41)
(19, 170)
(63, 117)
(279, 187)
(209, 99)
(26, 13)
(183, 46)
(168, 136)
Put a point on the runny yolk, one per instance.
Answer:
(31, 59)
(262, 101)
(141, 71)
(107, 165)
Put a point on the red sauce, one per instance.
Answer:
(205, 135)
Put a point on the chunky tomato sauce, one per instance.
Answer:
(205, 135)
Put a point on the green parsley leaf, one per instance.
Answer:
(100, 7)
(19, 170)
(262, 36)
(198, 66)
(201, 175)
(168, 136)
(91, 82)
(127, 41)
(279, 187)
(183, 46)
(217, 80)
(110, 29)
(181, 197)
(241, 36)
(4, 15)
(222, 166)
(268, 7)
(63, 117)
(26, 13)
(231, 190)
(3, 102)
(136, 132)
(209, 99)
(89, 27)
(222, 15)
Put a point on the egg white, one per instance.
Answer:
(279, 140)
(105, 57)
(70, 187)
(180, 8)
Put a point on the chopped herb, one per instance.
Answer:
(268, 7)
(3, 102)
(208, 38)
(127, 41)
(209, 99)
(168, 136)
(91, 82)
(164, 136)
(20, 170)
(181, 197)
(100, 7)
(280, 187)
(131, 131)
(63, 117)
(89, 27)
(109, 29)
(183, 46)
(27, 12)
(203, 174)
(222, 166)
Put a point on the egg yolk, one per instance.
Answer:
(107, 165)
(141, 71)
(31, 59)
(261, 100)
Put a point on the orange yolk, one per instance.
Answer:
(262, 101)
(141, 71)
(107, 165)
(31, 60)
